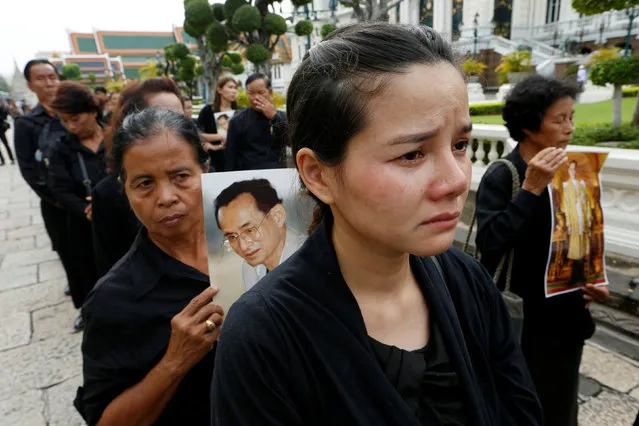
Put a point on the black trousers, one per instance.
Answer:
(3, 137)
(82, 272)
(55, 222)
(555, 373)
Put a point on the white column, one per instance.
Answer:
(521, 18)
(443, 17)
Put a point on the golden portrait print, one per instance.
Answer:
(576, 256)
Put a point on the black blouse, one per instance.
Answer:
(127, 331)
(425, 379)
(294, 349)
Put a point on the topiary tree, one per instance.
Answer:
(617, 72)
(71, 72)
(204, 22)
(304, 28)
(92, 77)
(327, 29)
(370, 10)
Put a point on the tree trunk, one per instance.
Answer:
(212, 68)
(635, 115)
(264, 68)
(616, 106)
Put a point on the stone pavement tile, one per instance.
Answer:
(4, 215)
(51, 270)
(41, 364)
(28, 257)
(609, 369)
(27, 231)
(4, 201)
(18, 276)
(17, 205)
(37, 219)
(35, 203)
(43, 240)
(61, 411)
(609, 409)
(3, 235)
(53, 321)
(30, 211)
(13, 246)
(635, 393)
(30, 298)
(26, 409)
(15, 330)
(15, 222)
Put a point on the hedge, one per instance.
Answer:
(487, 108)
(591, 135)
(630, 92)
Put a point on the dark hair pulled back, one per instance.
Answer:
(75, 98)
(329, 93)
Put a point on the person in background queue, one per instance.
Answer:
(33, 134)
(256, 138)
(101, 95)
(362, 326)
(4, 126)
(77, 162)
(150, 326)
(114, 224)
(539, 115)
(213, 139)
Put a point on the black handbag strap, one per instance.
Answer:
(85, 176)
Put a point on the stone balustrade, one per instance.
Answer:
(619, 177)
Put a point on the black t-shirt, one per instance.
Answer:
(127, 330)
(425, 379)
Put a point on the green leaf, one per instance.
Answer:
(230, 6)
(274, 24)
(247, 18)
(226, 61)
(216, 35)
(237, 69)
(327, 29)
(594, 7)
(218, 12)
(257, 53)
(304, 28)
(616, 71)
(235, 57)
(180, 51)
(197, 17)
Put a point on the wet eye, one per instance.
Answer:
(461, 146)
(412, 156)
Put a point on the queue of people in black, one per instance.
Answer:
(376, 319)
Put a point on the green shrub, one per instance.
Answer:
(257, 53)
(327, 29)
(630, 92)
(487, 108)
(242, 100)
(247, 18)
(304, 28)
(274, 24)
(591, 135)
(616, 71)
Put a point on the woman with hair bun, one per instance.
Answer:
(76, 165)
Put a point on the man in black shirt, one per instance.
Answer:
(256, 137)
(33, 135)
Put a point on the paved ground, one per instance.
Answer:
(40, 363)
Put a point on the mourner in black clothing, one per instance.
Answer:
(4, 126)
(539, 115)
(257, 135)
(77, 164)
(32, 136)
(362, 326)
(114, 224)
(150, 326)
(214, 139)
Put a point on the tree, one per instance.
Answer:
(327, 29)
(4, 86)
(617, 72)
(150, 70)
(205, 23)
(370, 10)
(594, 7)
(71, 72)
(91, 77)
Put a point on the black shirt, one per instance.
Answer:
(294, 349)
(66, 177)
(207, 124)
(127, 331)
(114, 225)
(27, 132)
(525, 223)
(254, 142)
(425, 379)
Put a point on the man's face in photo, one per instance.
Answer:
(254, 235)
(223, 122)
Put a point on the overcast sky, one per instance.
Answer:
(30, 26)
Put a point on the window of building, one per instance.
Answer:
(552, 10)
